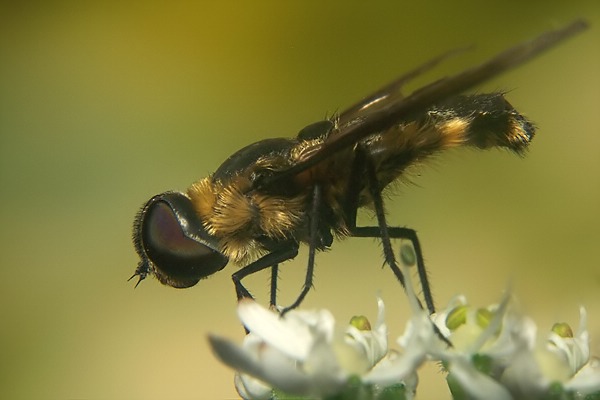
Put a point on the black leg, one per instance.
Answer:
(408, 234)
(313, 232)
(287, 251)
(274, 277)
(355, 186)
(383, 231)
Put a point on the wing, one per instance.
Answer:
(384, 108)
(390, 93)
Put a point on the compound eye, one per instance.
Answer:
(176, 244)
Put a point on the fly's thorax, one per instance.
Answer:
(241, 217)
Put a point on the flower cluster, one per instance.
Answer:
(496, 354)
(303, 353)
(488, 353)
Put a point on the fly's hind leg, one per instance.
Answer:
(400, 233)
(363, 165)
(274, 278)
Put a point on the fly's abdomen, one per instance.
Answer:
(482, 121)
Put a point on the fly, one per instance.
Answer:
(269, 197)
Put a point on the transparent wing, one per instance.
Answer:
(384, 108)
(391, 92)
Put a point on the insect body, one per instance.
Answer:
(270, 196)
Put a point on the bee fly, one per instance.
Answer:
(272, 195)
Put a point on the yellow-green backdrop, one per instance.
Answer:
(104, 104)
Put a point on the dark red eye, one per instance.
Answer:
(173, 244)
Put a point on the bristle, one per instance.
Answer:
(522, 132)
(491, 120)
(279, 216)
(483, 121)
(203, 195)
(453, 131)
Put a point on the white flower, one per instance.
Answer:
(496, 354)
(587, 379)
(301, 353)
(418, 340)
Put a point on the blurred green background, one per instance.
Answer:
(103, 105)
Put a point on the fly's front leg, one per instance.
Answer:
(286, 251)
(312, 247)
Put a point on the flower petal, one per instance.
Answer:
(284, 333)
(269, 365)
(251, 388)
(587, 380)
(418, 340)
(235, 356)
